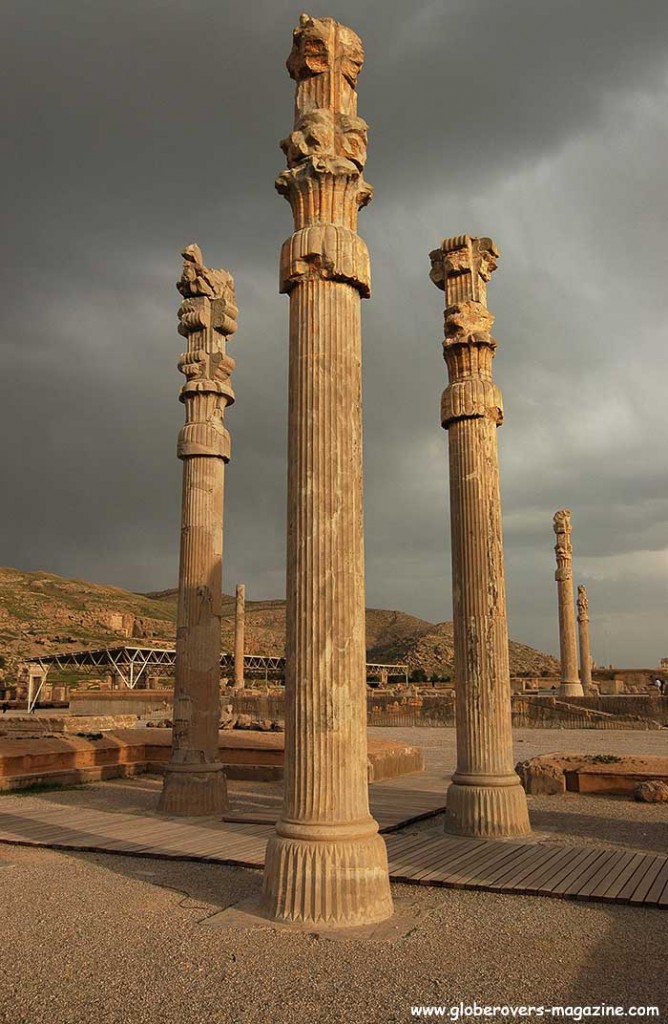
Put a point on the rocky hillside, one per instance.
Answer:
(40, 613)
(432, 650)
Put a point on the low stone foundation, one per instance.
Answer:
(589, 773)
(36, 726)
(246, 755)
(121, 702)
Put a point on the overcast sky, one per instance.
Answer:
(134, 127)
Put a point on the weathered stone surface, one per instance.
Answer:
(36, 725)
(540, 778)
(652, 792)
(194, 780)
(485, 798)
(326, 863)
(239, 636)
(570, 680)
(595, 773)
(584, 641)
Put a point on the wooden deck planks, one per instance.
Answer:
(581, 869)
(453, 857)
(568, 868)
(620, 871)
(645, 884)
(424, 858)
(392, 804)
(423, 855)
(543, 855)
(659, 884)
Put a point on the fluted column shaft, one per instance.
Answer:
(239, 636)
(570, 680)
(194, 780)
(485, 797)
(326, 657)
(484, 735)
(584, 640)
(326, 864)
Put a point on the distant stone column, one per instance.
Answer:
(326, 863)
(33, 682)
(239, 637)
(486, 797)
(583, 634)
(194, 781)
(570, 680)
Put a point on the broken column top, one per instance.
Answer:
(208, 296)
(328, 138)
(325, 60)
(462, 266)
(563, 548)
(562, 521)
(326, 153)
(583, 602)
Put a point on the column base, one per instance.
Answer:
(487, 811)
(323, 875)
(194, 791)
(571, 690)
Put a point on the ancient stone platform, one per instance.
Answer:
(245, 754)
(31, 726)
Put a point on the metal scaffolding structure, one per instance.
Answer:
(131, 663)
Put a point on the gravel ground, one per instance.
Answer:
(96, 939)
(106, 939)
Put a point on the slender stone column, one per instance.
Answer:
(326, 863)
(486, 797)
(570, 680)
(194, 781)
(239, 637)
(583, 634)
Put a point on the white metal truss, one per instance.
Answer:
(132, 662)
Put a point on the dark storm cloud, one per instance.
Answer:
(135, 128)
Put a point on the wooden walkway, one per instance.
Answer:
(418, 858)
(394, 803)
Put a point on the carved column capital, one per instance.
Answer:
(207, 317)
(583, 604)
(326, 153)
(325, 137)
(461, 267)
(563, 548)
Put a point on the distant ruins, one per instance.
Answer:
(485, 797)
(326, 862)
(570, 679)
(194, 780)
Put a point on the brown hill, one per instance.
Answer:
(432, 650)
(41, 612)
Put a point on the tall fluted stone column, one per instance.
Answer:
(570, 680)
(239, 636)
(194, 780)
(583, 635)
(326, 863)
(485, 798)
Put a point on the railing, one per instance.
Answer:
(551, 713)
